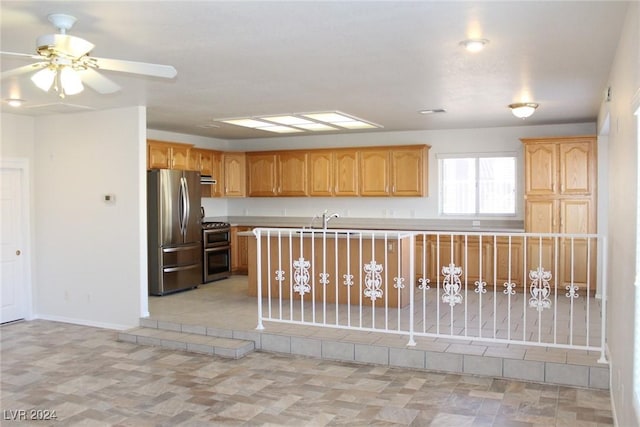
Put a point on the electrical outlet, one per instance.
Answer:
(475, 223)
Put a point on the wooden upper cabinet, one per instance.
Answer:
(158, 155)
(408, 171)
(563, 166)
(234, 174)
(333, 173)
(394, 171)
(346, 173)
(277, 174)
(180, 157)
(168, 155)
(321, 167)
(540, 169)
(217, 173)
(577, 168)
(292, 173)
(262, 171)
(374, 172)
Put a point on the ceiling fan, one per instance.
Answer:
(65, 63)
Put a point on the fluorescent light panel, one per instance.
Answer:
(293, 123)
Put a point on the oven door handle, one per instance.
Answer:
(217, 249)
(181, 268)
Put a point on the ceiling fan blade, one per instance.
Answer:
(97, 81)
(23, 70)
(156, 70)
(23, 55)
(65, 44)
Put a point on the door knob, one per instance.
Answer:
(18, 252)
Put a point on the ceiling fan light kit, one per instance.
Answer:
(66, 66)
(522, 110)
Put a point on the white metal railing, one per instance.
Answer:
(519, 288)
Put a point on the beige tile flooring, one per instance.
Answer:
(225, 304)
(83, 376)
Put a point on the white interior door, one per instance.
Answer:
(13, 217)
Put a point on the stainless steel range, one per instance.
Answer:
(216, 246)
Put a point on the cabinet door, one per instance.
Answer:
(441, 251)
(540, 169)
(203, 159)
(292, 174)
(262, 174)
(503, 262)
(576, 168)
(541, 216)
(193, 159)
(234, 175)
(346, 173)
(217, 189)
(180, 157)
(158, 156)
(321, 173)
(407, 172)
(374, 173)
(239, 250)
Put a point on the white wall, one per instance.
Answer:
(441, 141)
(622, 202)
(90, 255)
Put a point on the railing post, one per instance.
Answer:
(256, 232)
(603, 327)
(412, 287)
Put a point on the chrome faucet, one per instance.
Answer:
(326, 219)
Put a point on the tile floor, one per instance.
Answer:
(85, 377)
(225, 305)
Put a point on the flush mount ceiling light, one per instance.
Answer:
(15, 102)
(474, 45)
(303, 122)
(522, 110)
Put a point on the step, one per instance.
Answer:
(196, 343)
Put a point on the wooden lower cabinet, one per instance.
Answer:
(474, 255)
(346, 263)
(239, 250)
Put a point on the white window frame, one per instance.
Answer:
(477, 156)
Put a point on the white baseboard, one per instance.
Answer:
(84, 322)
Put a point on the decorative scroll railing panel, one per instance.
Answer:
(521, 288)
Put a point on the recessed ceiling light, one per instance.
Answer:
(15, 102)
(433, 111)
(474, 45)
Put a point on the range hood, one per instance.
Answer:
(207, 179)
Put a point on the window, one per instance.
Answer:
(477, 184)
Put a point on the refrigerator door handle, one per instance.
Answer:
(187, 205)
(183, 206)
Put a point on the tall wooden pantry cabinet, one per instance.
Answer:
(560, 197)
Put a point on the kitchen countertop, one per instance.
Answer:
(407, 224)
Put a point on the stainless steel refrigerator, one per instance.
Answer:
(174, 229)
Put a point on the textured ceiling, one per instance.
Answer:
(381, 61)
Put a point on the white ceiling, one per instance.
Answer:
(381, 61)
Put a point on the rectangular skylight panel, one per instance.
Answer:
(287, 120)
(281, 129)
(316, 127)
(328, 117)
(248, 123)
(355, 124)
